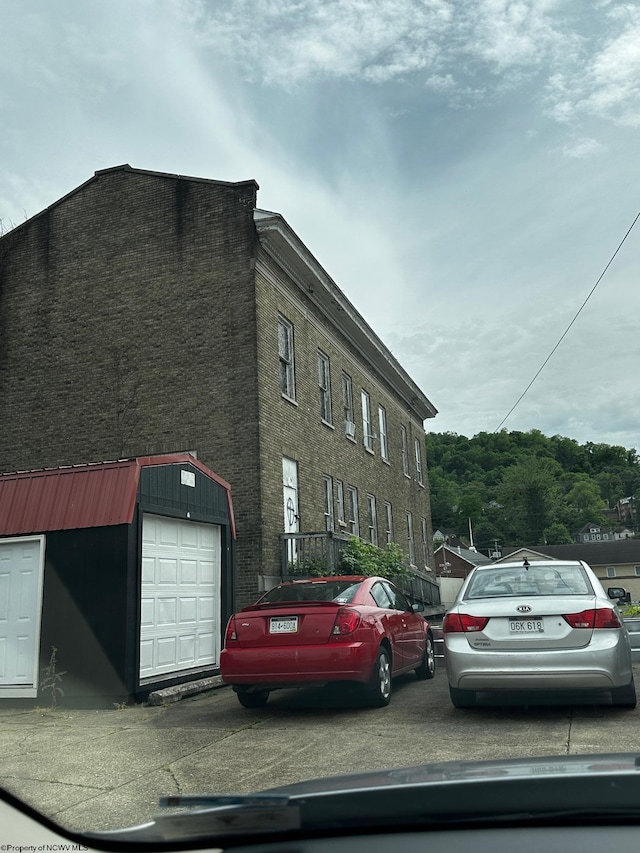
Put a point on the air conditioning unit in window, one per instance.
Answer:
(350, 429)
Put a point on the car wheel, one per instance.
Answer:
(378, 690)
(462, 698)
(624, 697)
(252, 698)
(427, 668)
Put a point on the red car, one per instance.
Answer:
(321, 630)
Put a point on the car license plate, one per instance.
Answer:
(526, 626)
(283, 626)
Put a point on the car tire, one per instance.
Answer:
(427, 668)
(378, 689)
(252, 698)
(624, 697)
(462, 698)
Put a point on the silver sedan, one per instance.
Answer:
(539, 626)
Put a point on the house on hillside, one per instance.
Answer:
(147, 313)
(615, 563)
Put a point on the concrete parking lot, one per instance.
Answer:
(105, 769)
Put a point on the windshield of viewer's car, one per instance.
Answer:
(528, 580)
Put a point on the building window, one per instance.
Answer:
(405, 451)
(285, 352)
(373, 523)
(419, 462)
(611, 572)
(347, 402)
(637, 570)
(327, 484)
(425, 550)
(340, 502)
(410, 540)
(367, 435)
(324, 383)
(352, 509)
(382, 427)
(388, 522)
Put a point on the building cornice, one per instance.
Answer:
(286, 250)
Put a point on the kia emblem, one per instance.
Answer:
(523, 608)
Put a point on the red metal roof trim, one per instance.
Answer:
(94, 495)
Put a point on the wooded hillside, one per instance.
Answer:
(526, 488)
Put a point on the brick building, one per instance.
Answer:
(147, 313)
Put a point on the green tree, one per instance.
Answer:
(531, 494)
(557, 534)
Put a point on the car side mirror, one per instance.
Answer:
(618, 593)
(417, 607)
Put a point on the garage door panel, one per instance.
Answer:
(146, 657)
(167, 571)
(4, 596)
(148, 570)
(166, 652)
(188, 610)
(187, 649)
(167, 611)
(206, 644)
(180, 615)
(189, 538)
(207, 572)
(188, 572)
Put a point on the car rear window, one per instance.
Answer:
(338, 591)
(528, 580)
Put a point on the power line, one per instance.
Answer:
(566, 331)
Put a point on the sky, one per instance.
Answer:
(464, 170)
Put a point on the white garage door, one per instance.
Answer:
(180, 614)
(21, 573)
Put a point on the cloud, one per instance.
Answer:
(606, 83)
(582, 148)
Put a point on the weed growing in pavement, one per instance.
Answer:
(51, 678)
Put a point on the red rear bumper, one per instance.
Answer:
(298, 665)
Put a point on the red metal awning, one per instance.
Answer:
(93, 495)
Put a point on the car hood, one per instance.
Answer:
(474, 793)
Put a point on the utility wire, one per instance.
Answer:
(566, 331)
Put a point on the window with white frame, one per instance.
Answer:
(425, 550)
(340, 503)
(404, 447)
(353, 522)
(410, 540)
(418, 452)
(327, 485)
(611, 572)
(637, 570)
(285, 353)
(382, 431)
(388, 521)
(373, 523)
(324, 383)
(367, 433)
(347, 402)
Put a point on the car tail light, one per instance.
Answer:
(230, 634)
(458, 623)
(347, 620)
(601, 617)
